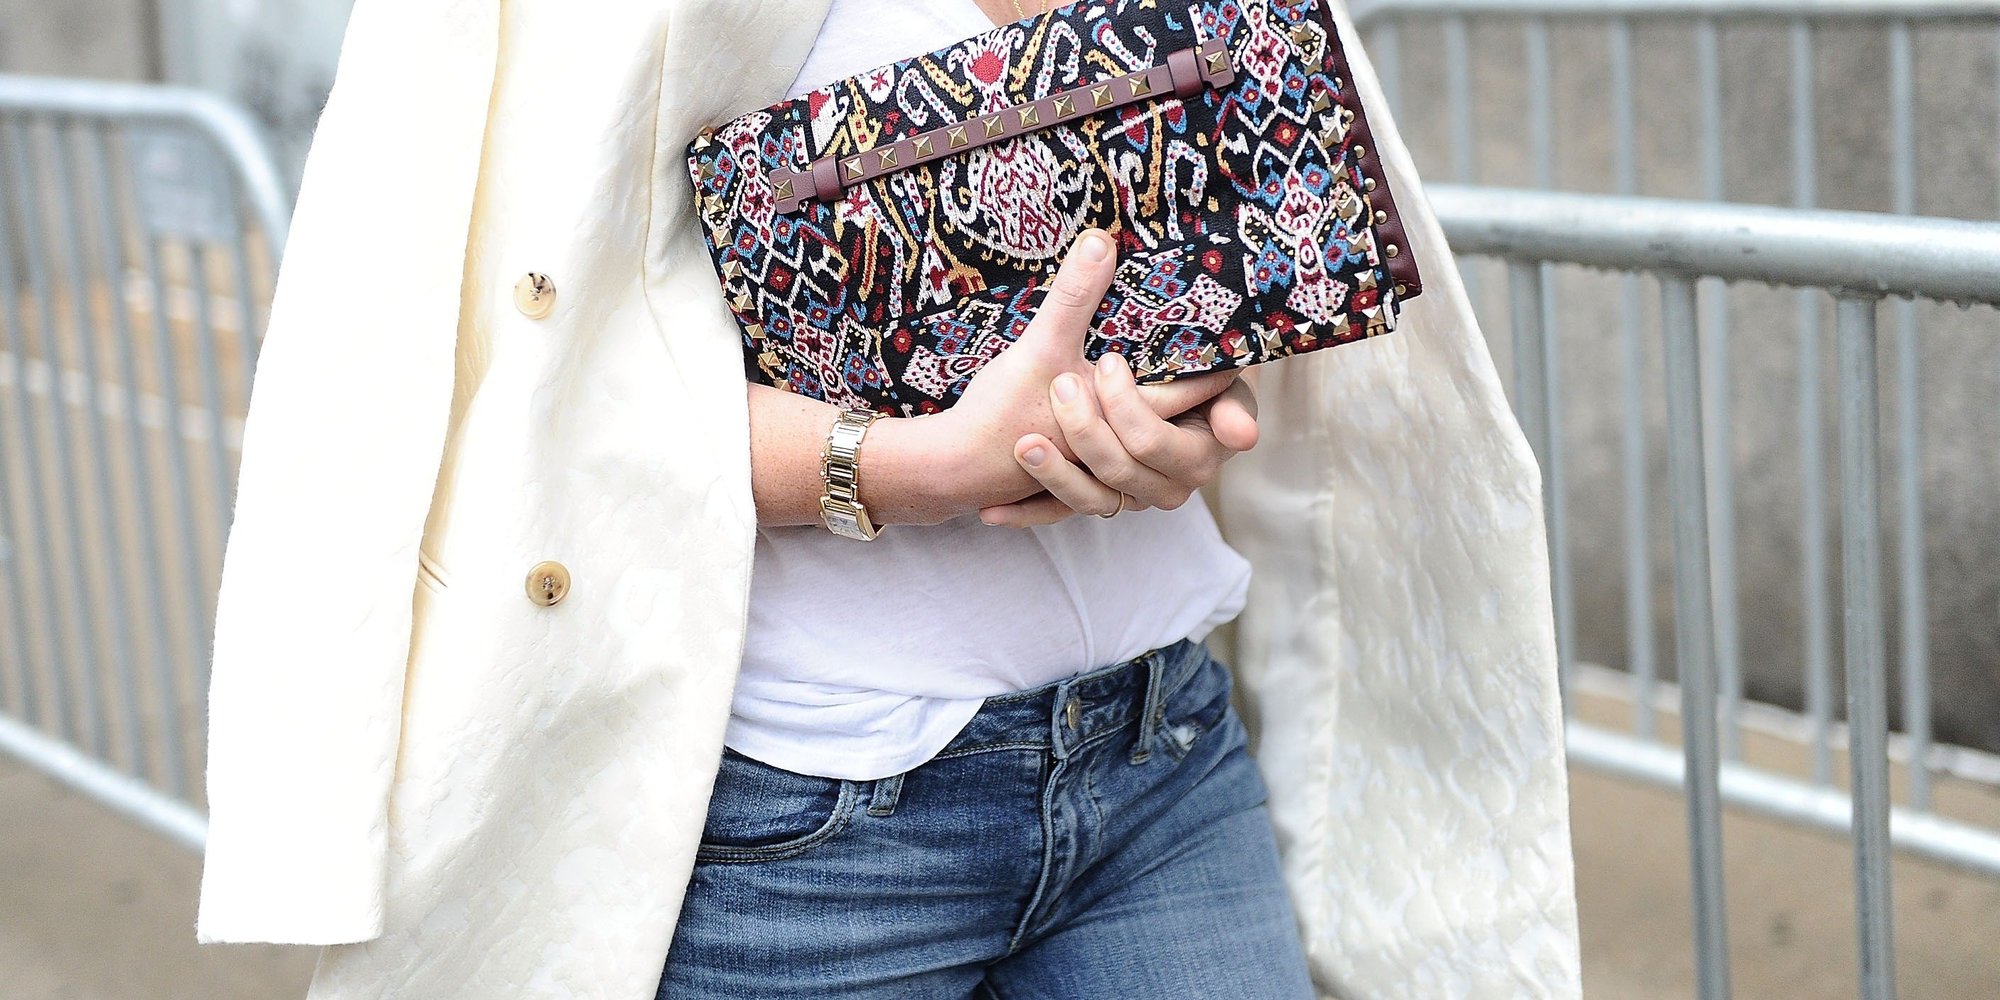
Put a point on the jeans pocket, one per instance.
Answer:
(1196, 708)
(760, 812)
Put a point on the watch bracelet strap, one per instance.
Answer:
(840, 470)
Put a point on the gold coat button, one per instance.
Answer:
(548, 583)
(535, 295)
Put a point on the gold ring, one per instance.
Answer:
(1120, 510)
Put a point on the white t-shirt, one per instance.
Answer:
(863, 659)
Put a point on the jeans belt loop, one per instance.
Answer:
(887, 791)
(1061, 737)
(1149, 716)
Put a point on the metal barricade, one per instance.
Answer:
(140, 228)
(1568, 93)
(1858, 260)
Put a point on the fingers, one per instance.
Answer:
(1073, 296)
(1067, 483)
(1035, 511)
(1098, 448)
(1186, 454)
(1232, 417)
(1171, 399)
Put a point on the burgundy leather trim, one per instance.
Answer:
(1402, 265)
(1181, 70)
(825, 183)
(1183, 75)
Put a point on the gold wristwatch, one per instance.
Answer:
(839, 468)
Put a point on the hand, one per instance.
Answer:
(1125, 447)
(1009, 400)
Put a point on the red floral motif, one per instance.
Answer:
(987, 67)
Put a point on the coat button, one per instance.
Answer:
(535, 295)
(548, 583)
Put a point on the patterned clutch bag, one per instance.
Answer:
(882, 237)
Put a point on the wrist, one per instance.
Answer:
(927, 470)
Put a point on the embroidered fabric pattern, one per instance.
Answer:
(877, 254)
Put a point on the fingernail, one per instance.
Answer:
(1066, 387)
(1034, 456)
(1093, 246)
(1116, 359)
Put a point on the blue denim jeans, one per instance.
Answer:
(1101, 836)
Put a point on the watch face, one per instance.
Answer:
(843, 523)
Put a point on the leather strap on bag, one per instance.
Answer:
(1183, 74)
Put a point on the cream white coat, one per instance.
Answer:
(468, 796)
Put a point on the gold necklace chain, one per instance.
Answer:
(1018, 15)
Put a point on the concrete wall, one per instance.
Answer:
(1958, 164)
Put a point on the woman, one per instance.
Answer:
(481, 792)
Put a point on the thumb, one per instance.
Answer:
(1069, 305)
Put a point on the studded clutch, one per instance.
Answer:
(882, 237)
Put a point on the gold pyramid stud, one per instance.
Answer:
(956, 137)
(854, 169)
(785, 189)
(1100, 96)
(995, 127)
(1321, 101)
(1140, 85)
(1302, 36)
(886, 157)
(1065, 106)
(1365, 281)
(742, 303)
(921, 146)
(755, 330)
(1218, 61)
(733, 269)
(1030, 116)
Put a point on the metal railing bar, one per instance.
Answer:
(1913, 634)
(1694, 651)
(1530, 386)
(209, 368)
(1541, 133)
(1866, 253)
(247, 339)
(1717, 421)
(1867, 713)
(228, 127)
(1818, 625)
(1464, 135)
(111, 236)
(197, 626)
(1387, 52)
(26, 215)
(1364, 11)
(113, 543)
(12, 523)
(1638, 532)
(130, 797)
(1808, 804)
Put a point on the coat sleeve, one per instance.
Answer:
(340, 455)
(1397, 653)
